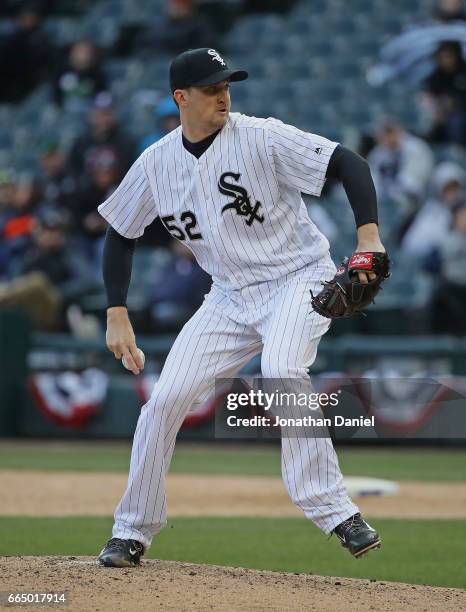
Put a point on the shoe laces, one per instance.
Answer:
(117, 543)
(120, 544)
(355, 523)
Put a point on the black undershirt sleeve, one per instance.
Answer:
(354, 174)
(117, 266)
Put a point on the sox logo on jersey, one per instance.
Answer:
(242, 201)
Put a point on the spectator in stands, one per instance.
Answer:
(430, 228)
(25, 54)
(445, 94)
(7, 191)
(77, 84)
(401, 165)
(168, 119)
(223, 15)
(179, 291)
(58, 187)
(179, 29)
(19, 219)
(50, 273)
(7, 194)
(28, 194)
(104, 134)
(450, 296)
(105, 175)
(449, 10)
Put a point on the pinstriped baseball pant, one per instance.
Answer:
(223, 335)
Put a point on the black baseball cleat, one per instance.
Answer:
(357, 536)
(121, 553)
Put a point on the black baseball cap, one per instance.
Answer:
(199, 67)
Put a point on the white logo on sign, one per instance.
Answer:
(216, 56)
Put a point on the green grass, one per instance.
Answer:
(88, 457)
(392, 463)
(414, 551)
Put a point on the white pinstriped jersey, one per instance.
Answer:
(239, 206)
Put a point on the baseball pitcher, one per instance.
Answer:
(229, 187)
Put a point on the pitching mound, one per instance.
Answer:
(167, 585)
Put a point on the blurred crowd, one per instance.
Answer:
(427, 205)
(52, 236)
(28, 57)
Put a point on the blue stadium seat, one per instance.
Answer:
(240, 93)
(297, 70)
(307, 9)
(64, 30)
(104, 30)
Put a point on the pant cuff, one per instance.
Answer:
(329, 520)
(125, 532)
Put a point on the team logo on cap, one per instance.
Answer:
(216, 56)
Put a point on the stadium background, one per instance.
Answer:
(68, 134)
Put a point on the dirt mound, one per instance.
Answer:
(167, 585)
